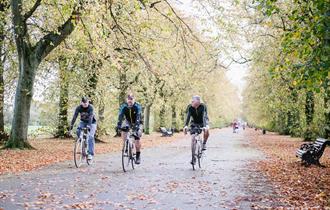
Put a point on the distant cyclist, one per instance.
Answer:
(87, 120)
(131, 111)
(197, 117)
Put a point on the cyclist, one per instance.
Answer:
(131, 111)
(87, 119)
(198, 112)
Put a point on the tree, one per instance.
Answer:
(3, 13)
(63, 124)
(29, 58)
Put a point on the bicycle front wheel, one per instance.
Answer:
(78, 153)
(125, 157)
(131, 154)
(193, 154)
(199, 154)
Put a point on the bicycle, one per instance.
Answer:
(128, 151)
(80, 151)
(196, 146)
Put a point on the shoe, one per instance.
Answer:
(193, 161)
(204, 147)
(138, 160)
(90, 157)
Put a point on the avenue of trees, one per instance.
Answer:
(288, 87)
(54, 52)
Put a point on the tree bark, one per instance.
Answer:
(293, 115)
(147, 119)
(3, 9)
(327, 81)
(122, 87)
(63, 125)
(162, 117)
(327, 111)
(309, 112)
(174, 116)
(3, 135)
(24, 92)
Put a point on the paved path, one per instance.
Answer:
(164, 180)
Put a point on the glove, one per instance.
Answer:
(185, 129)
(136, 128)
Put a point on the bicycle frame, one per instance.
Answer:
(84, 136)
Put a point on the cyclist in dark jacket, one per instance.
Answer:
(197, 116)
(131, 111)
(87, 119)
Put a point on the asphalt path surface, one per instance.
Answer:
(164, 180)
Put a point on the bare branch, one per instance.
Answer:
(50, 41)
(32, 10)
(183, 22)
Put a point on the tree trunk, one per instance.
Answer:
(174, 116)
(101, 109)
(92, 84)
(3, 8)
(327, 81)
(147, 119)
(309, 112)
(327, 111)
(91, 93)
(29, 58)
(183, 114)
(24, 92)
(293, 124)
(162, 117)
(63, 125)
(122, 88)
(3, 135)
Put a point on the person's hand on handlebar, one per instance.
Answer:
(185, 130)
(206, 128)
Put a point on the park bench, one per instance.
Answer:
(312, 152)
(165, 132)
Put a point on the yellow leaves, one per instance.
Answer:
(294, 83)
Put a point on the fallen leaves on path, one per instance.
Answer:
(50, 151)
(297, 186)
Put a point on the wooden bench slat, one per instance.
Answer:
(318, 144)
(300, 152)
(322, 139)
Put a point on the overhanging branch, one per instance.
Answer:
(32, 10)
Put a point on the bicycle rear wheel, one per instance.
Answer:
(86, 152)
(125, 157)
(78, 153)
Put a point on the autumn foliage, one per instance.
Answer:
(296, 185)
